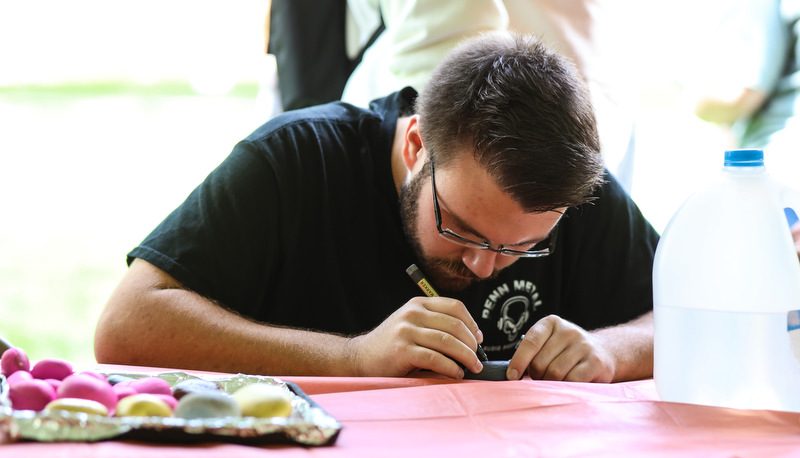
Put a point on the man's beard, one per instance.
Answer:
(446, 274)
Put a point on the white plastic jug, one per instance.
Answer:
(726, 291)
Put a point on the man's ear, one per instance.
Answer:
(413, 151)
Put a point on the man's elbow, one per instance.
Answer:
(112, 345)
(123, 334)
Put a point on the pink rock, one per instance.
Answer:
(88, 387)
(123, 391)
(169, 399)
(52, 368)
(151, 385)
(123, 383)
(31, 394)
(94, 374)
(19, 376)
(14, 359)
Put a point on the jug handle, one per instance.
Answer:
(790, 198)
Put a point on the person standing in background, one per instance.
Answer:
(752, 85)
(315, 56)
(753, 76)
(419, 32)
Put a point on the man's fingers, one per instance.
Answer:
(448, 345)
(588, 371)
(425, 358)
(560, 353)
(455, 309)
(548, 366)
(529, 347)
(445, 315)
(433, 324)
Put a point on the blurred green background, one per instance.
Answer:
(111, 113)
(87, 172)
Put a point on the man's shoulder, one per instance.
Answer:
(339, 118)
(612, 215)
(605, 198)
(316, 120)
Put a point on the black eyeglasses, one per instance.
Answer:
(540, 249)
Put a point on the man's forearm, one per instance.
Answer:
(148, 324)
(631, 344)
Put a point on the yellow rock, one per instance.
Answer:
(263, 400)
(142, 405)
(77, 405)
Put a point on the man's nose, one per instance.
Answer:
(480, 262)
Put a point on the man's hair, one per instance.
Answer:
(526, 114)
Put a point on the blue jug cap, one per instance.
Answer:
(744, 158)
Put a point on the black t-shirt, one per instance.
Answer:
(300, 226)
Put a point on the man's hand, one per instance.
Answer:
(555, 349)
(796, 237)
(426, 333)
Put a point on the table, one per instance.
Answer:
(430, 416)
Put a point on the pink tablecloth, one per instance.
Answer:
(411, 417)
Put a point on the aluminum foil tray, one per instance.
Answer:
(308, 424)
